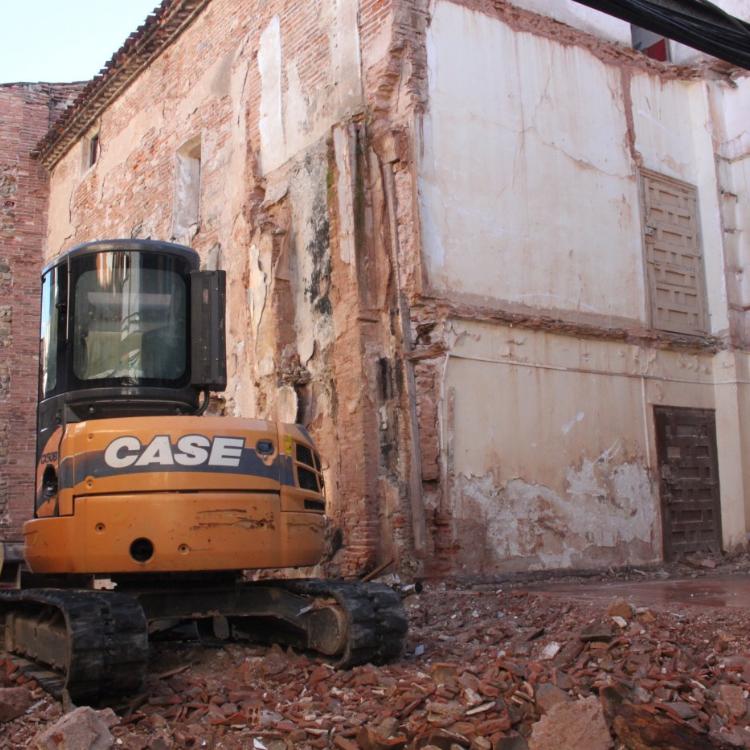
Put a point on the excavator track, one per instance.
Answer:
(95, 643)
(377, 623)
(349, 622)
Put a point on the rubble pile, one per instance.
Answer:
(485, 669)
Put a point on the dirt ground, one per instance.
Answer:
(639, 659)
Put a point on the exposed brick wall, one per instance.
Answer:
(26, 112)
(214, 89)
(395, 82)
(139, 193)
(328, 297)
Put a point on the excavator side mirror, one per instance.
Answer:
(208, 357)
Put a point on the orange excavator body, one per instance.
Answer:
(148, 513)
(180, 493)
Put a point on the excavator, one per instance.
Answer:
(149, 513)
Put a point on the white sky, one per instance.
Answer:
(59, 41)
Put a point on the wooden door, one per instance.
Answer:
(689, 480)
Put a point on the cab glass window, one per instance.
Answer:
(130, 319)
(48, 336)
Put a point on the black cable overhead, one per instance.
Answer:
(698, 23)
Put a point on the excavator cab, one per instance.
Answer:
(130, 477)
(128, 328)
(139, 491)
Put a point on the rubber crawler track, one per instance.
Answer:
(377, 621)
(107, 639)
(108, 633)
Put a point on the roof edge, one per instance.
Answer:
(159, 30)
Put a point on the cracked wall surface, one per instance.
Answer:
(548, 177)
(517, 160)
(549, 461)
(429, 214)
(293, 207)
(533, 333)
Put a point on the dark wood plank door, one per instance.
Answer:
(688, 480)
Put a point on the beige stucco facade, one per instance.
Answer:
(432, 221)
(531, 205)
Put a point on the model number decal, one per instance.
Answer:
(190, 450)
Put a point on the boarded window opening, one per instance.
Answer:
(652, 45)
(674, 259)
(186, 217)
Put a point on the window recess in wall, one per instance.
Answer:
(652, 45)
(186, 216)
(674, 260)
(91, 147)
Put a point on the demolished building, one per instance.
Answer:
(491, 255)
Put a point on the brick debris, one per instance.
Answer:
(486, 668)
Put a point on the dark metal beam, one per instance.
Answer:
(696, 23)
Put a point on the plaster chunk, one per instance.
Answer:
(286, 404)
(271, 123)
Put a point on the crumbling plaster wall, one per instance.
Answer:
(547, 171)
(297, 206)
(545, 452)
(548, 445)
(538, 372)
(730, 107)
